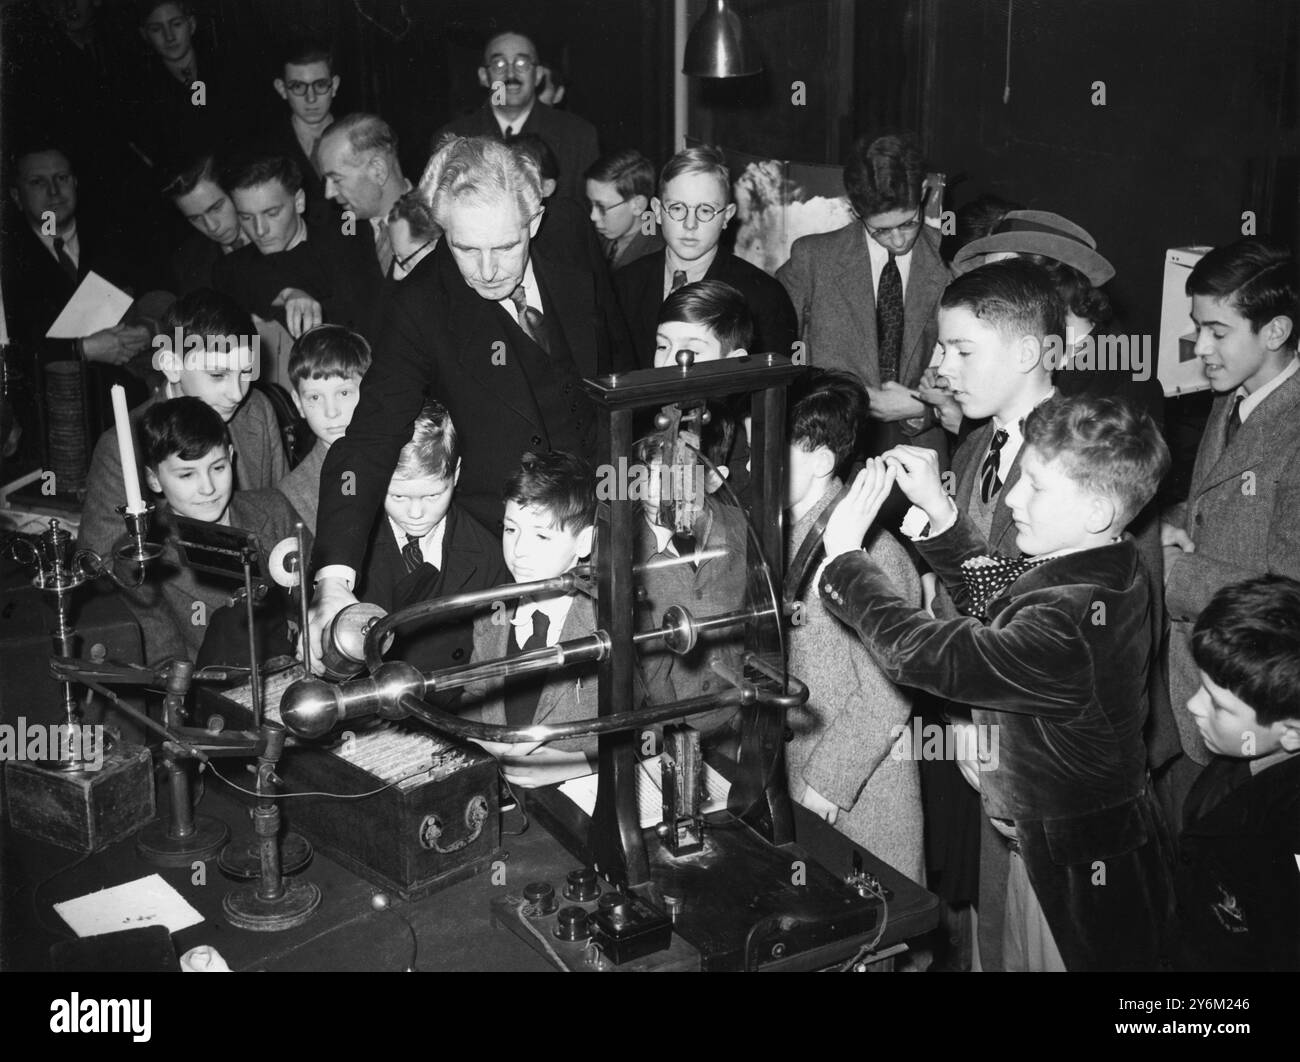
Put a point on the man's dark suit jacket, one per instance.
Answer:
(35, 291)
(442, 340)
(278, 138)
(1068, 696)
(572, 139)
(640, 289)
(567, 235)
(471, 560)
(193, 264)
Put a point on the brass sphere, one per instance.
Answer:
(309, 708)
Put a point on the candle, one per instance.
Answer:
(126, 448)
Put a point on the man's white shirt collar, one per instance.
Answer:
(530, 289)
(516, 125)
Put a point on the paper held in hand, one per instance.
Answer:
(94, 306)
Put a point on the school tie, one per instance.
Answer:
(679, 279)
(1234, 422)
(533, 322)
(541, 628)
(986, 577)
(685, 546)
(509, 134)
(990, 482)
(66, 263)
(411, 553)
(889, 320)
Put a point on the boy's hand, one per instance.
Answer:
(544, 766)
(917, 471)
(301, 312)
(857, 508)
(1176, 542)
(824, 809)
(332, 597)
(506, 750)
(892, 401)
(935, 393)
(1173, 535)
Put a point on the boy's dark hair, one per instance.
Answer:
(207, 313)
(715, 305)
(1015, 296)
(434, 447)
(185, 178)
(884, 174)
(540, 152)
(186, 427)
(1106, 445)
(1247, 640)
(251, 172)
(829, 409)
(628, 171)
(559, 482)
(412, 209)
(302, 49)
(1257, 278)
(145, 8)
(701, 159)
(326, 351)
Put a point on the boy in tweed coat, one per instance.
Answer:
(1242, 516)
(849, 760)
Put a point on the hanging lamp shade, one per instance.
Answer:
(720, 45)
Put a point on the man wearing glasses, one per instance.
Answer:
(511, 74)
(868, 294)
(692, 210)
(499, 334)
(308, 85)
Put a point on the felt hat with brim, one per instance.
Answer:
(1039, 232)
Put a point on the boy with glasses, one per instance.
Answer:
(511, 73)
(619, 187)
(308, 84)
(867, 293)
(693, 207)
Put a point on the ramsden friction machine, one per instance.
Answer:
(726, 890)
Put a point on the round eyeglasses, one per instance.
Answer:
(521, 64)
(704, 212)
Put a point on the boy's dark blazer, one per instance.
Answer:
(572, 139)
(567, 695)
(640, 289)
(1243, 515)
(1068, 694)
(828, 276)
(471, 560)
(1237, 876)
(439, 340)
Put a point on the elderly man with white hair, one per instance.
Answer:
(502, 337)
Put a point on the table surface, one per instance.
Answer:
(450, 930)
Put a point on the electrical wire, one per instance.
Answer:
(546, 944)
(867, 949)
(315, 792)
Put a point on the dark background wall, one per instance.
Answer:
(1200, 120)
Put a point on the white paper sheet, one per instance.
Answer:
(94, 306)
(143, 902)
(649, 792)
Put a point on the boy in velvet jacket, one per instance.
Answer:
(1055, 646)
